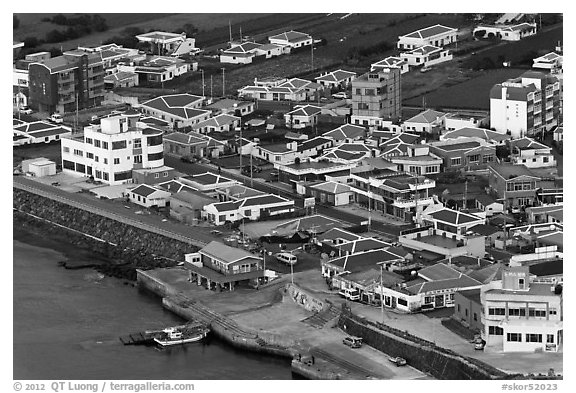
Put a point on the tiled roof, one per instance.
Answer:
(35, 126)
(217, 121)
(346, 131)
(429, 31)
(453, 217)
(227, 206)
(487, 135)
(266, 199)
(528, 143)
(336, 76)
(226, 254)
(247, 47)
(313, 143)
(331, 187)
(208, 178)
(119, 76)
(438, 271)
(427, 117)
(187, 139)
(360, 261)
(423, 50)
(338, 233)
(143, 190)
(391, 61)
(511, 171)
(307, 110)
(363, 245)
(177, 105)
(457, 146)
(454, 283)
(291, 36)
(485, 230)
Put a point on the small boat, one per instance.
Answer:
(181, 335)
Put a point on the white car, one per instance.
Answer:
(340, 95)
(25, 110)
(287, 258)
(425, 69)
(56, 118)
(350, 294)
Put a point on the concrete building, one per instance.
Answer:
(468, 309)
(515, 185)
(532, 154)
(391, 62)
(292, 39)
(168, 44)
(336, 79)
(520, 315)
(437, 35)
(376, 97)
(39, 167)
(302, 116)
(64, 83)
(525, 106)
(111, 150)
(251, 208)
(505, 32)
(462, 153)
(180, 110)
(549, 61)
(424, 122)
(147, 196)
(38, 132)
(426, 56)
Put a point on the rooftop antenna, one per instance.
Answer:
(240, 34)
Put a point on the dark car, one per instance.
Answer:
(353, 342)
(398, 361)
(246, 170)
(188, 159)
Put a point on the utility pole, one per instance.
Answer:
(381, 293)
(202, 71)
(230, 29)
(312, 53)
(251, 178)
(241, 152)
(76, 119)
(240, 34)
(211, 93)
(465, 197)
(223, 83)
(416, 196)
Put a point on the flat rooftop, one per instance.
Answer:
(439, 241)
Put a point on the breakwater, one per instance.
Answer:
(117, 247)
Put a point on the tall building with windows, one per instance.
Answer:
(60, 84)
(521, 316)
(111, 150)
(376, 97)
(525, 106)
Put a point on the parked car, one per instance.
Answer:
(350, 294)
(56, 118)
(340, 95)
(188, 159)
(398, 361)
(425, 69)
(255, 169)
(287, 258)
(479, 343)
(353, 341)
(26, 110)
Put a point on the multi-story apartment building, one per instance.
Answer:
(64, 83)
(525, 106)
(376, 97)
(521, 316)
(111, 150)
(464, 152)
(396, 193)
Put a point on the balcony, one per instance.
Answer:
(549, 105)
(409, 203)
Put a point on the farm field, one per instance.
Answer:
(471, 94)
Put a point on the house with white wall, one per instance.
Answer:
(302, 116)
(148, 196)
(240, 54)
(292, 39)
(180, 110)
(549, 61)
(335, 79)
(391, 62)
(424, 122)
(532, 154)
(437, 35)
(427, 56)
(218, 123)
(251, 208)
(506, 32)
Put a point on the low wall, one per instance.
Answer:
(424, 356)
(305, 299)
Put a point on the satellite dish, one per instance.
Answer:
(413, 273)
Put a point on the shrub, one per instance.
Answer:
(479, 33)
(15, 22)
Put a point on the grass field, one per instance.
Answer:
(472, 94)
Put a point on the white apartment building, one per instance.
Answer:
(111, 150)
(521, 316)
(525, 106)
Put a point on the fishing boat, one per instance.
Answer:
(181, 335)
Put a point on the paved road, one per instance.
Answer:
(388, 230)
(152, 223)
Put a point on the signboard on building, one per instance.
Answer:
(309, 202)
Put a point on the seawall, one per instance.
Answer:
(116, 241)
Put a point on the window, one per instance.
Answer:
(156, 176)
(552, 311)
(89, 155)
(89, 140)
(475, 317)
(456, 161)
(533, 338)
(521, 283)
(358, 91)
(68, 165)
(495, 331)
(402, 302)
(536, 313)
(517, 312)
(96, 158)
(105, 161)
(138, 159)
(118, 145)
(116, 161)
(165, 174)
(550, 338)
(78, 153)
(222, 218)
(369, 92)
(105, 145)
(362, 106)
(137, 143)
(430, 299)
(96, 143)
(155, 156)
(98, 174)
(123, 175)
(514, 337)
(545, 159)
(66, 149)
(466, 312)
(496, 311)
(474, 158)
(248, 213)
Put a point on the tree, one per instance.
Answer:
(189, 29)
(15, 22)
(31, 42)
(479, 33)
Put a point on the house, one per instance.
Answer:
(526, 151)
(336, 237)
(488, 204)
(39, 132)
(252, 208)
(310, 171)
(314, 147)
(148, 196)
(169, 44)
(376, 97)
(348, 153)
(444, 243)
(153, 175)
(302, 116)
(120, 79)
(229, 106)
(424, 122)
(191, 144)
(283, 153)
(271, 50)
(437, 35)
(460, 120)
(207, 182)
(505, 32)
(112, 55)
(156, 69)
(281, 90)
(180, 110)
(463, 153)
(218, 123)
(520, 315)
(468, 309)
(419, 161)
(240, 54)
(236, 193)
(111, 150)
(334, 268)
(449, 220)
(295, 136)
(525, 106)
(492, 137)
(548, 213)
(39, 167)
(391, 62)
(491, 233)
(346, 133)
(398, 145)
(515, 185)
(218, 266)
(426, 56)
(187, 205)
(292, 39)
(549, 61)
(330, 192)
(336, 79)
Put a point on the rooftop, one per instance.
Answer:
(226, 254)
(535, 289)
(430, 32)
(291, 36)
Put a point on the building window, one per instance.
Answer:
(105, 161)
(118, 145)
(116, 161)
(430, 299)
(89, 155)
(474, 158)
(248, 213)
(105, 145)
(466, 312)
(66, 149)
(552, 311)
(533, 338)
(475, 317)
(456, 161)
(516, 312)
(156, 176)
(550, 338)
(402, 302)
(89, 140)
(514, 337)
(96, 159)
(521, 284)
(138, 159)
(96, 143)
(78, 153)
(495, 331)
(137, 143)
(105, 176)
(496, 311)
(165, 174)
